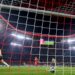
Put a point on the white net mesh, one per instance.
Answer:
(32, 32)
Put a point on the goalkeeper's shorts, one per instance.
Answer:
(1, 57)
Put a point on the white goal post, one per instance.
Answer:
(38, 11)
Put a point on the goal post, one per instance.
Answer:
(38, 11)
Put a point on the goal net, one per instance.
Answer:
(38, 30)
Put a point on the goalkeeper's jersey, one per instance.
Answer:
(53, 62)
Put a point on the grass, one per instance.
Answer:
(36, 70)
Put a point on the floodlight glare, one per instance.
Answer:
(15, 44)
(27, 38)
(70, 40)
(73, 48)
(18, 36)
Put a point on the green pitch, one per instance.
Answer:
(36, 70)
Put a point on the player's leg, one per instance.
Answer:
(2, 61)
(52, 68)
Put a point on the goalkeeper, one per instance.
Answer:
(53, 65)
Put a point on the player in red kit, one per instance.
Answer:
(36, 61)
